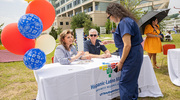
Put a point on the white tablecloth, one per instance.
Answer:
(174, 65)
(89, 81)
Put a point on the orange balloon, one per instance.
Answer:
(44, 10)
(14, 41)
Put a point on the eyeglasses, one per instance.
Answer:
(109, 16)
(93, 35)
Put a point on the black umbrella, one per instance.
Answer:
(145, 20)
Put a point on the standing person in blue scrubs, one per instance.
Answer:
(127, 39)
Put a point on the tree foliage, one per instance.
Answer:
(131, 6)
(109, 26)
(53, 33)
(58, 30)
(1, 31)
(81, 20)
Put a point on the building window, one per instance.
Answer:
(61, 23)
(57, 5)
(85, 10)
(62, 9)
(69, 6)
(62, 2)
(67, 23)
(91, 19)
(58, 11)
(90, 9)
(84, 0)
(74, 3)
(96, 7)
(78, 2)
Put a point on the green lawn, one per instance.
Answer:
(17, 82)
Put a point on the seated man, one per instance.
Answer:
(93, 46)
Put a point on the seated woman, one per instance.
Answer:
(168, 36)
(65, 52)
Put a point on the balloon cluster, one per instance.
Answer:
(20, 38)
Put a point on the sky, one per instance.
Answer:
(11, 11)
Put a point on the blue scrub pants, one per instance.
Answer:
(128, 84)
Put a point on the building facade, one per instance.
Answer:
(65, 9)
(149, 5)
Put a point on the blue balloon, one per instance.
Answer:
(30, 26)
(34, 59)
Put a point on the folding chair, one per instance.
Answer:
(165, 49)
(52, 59)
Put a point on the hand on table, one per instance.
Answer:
(108, 55)
(88, 57)
(80, 53)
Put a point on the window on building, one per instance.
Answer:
(67, 23)
(78, 2)
(62, 2)
(57, 5)
(61, 23)
(84, 0)
(96, 7)
(90, 9)
(58, 11)
(62, 9)
(91, 19)
(74, 3)
(69, 6)
(85, 10)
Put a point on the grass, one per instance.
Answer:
(17, 82)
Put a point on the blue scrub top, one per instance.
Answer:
(94, 49)
(127, 25)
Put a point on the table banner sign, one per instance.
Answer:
(109, 86)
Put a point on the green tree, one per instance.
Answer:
(81, 20)
(87, 26)
(58, 30)
(108, 26)
(53, 33)
(1, 31)
(131, 6)
(97, 28)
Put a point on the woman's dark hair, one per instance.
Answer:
(118, 11)
(152, 19)
(62, 36)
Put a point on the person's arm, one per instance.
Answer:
(79, 54)
(88, 57)
(107, 42)
(127, 47)
(61, 57)
(152, 35)
(107, 51)
(95, 56)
